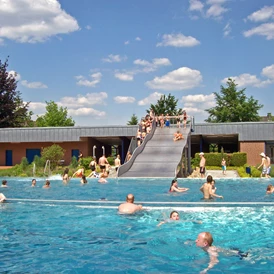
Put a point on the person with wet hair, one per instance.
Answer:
(207, 191)
(269, 189)
(174, 187)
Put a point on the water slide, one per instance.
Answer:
(159, 157)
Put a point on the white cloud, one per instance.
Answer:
(180, 79)
(124, 76)
(151, 99)
(27, 84)
(96, 78)
(247, 79)
(114, 58)
(264, 14)
(266, 29)
(268, 72)
(197, 98)
(76, 106)
(161, 62)
(29, 21)
(126, 42)
(216, 2)
(124, 99)
(37, 106)
(152, 66)
(138, 39)
(196, 104)
(227, 30)
(196, 5)
(178, 40)
(141, 62)
(88, 27)
(14, 74)
(89, 99)
(86, 112)
(216, 11)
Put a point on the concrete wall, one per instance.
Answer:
(253, 150)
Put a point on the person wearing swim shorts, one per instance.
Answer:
(202, 165)
(102, 163)
(223, 164)
(268, 169)
(264, 165)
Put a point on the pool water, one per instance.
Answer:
(43, 232)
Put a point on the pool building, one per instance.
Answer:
(250, 137)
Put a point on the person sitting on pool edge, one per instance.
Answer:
(174, 216)
(129, 207)
(174, 187)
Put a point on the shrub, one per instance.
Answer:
(255, 172)
(74, 162)
(86, 161)
(110, 160)
(195, 161)
(212, 159)
(24, 163)
(238, 159)
(242, 172)
(39, 162)
(54, 154)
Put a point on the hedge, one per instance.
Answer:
(214, 159)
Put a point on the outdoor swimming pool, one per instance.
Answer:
(50, 234)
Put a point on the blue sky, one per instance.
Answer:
(107, 59)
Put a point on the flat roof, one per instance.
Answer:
(245, 131)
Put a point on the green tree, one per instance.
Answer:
(54, 117)
(166, 105)
(54, 154)
(13, 111)
(133, 120)
(233, 105)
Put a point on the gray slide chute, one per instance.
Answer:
(160, 156)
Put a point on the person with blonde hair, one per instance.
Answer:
(205, 241)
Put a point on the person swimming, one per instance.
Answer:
(174, 187)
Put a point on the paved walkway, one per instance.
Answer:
(216, 174)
